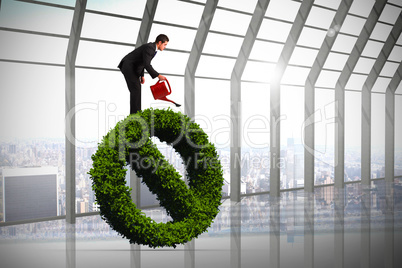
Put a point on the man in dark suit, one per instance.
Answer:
(133, 64)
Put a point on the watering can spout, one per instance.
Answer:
(160, 91)
(166, 99)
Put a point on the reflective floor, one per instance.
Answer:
(352, 227)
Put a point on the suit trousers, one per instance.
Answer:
(134, 86)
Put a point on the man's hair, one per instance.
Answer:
(162, 37)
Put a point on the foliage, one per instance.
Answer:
(191, 207)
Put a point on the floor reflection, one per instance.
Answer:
(235, 234)
(70, 245)
(355, 226)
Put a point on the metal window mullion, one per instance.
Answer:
(390, 125)
(71, 56)
(235, 98)
(146, 22)
(195, 54)
(142, 38)
(366, 99)
(189, 89)
(135, 181)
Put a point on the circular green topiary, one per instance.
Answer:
(191, 207)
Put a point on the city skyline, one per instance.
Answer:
(254, 164)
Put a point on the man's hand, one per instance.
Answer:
(142, 80)
(161, 78)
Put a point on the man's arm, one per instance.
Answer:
(147, 57)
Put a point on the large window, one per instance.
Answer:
(324, 136)
(255, 136)
(32, 120)
(212, 113)
(377, 135)
(352, 136)
(292, 150)
(34, 38)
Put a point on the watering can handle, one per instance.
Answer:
(170, 90)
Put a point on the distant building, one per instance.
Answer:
(29, 193)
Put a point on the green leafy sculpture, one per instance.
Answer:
(191, 207)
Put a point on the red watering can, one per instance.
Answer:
(160, 91)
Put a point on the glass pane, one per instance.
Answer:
(381, 32)
(246, 6)
(377, 135)
(230, 22)
(173, 12)
(336, 61)
(23, 118)
(170, 62)
(320, 17)
(292, 110)
(32, 165)
(324, 136)
(110, 28)
(28, 47)
(295, 76)
(372, 49)
(327, 79)
(311, 37)
(381, 84)
(399, 89)
(328, 3)
(274, 30)
(179, 38)
(258, 71)
(344, 43)
(398, 135)
(121, 7)
(283, 9)
(102, 99)
(390, 14)
(212, 109)
(353, 119)
(61, 2)
(361, 7)
(218, 44)
(266, 51)
(389, 69)
(396, 2)
(255, 133)
(255, 115)
(396, 54)
(212, 112)
(364, 65)
(352, 25)
(303, 56)
(27, 16)
(356, 82)
(88, 54)
(215, 67)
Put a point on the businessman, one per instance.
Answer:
(133, 64)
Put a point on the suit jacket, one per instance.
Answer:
(140, 59)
